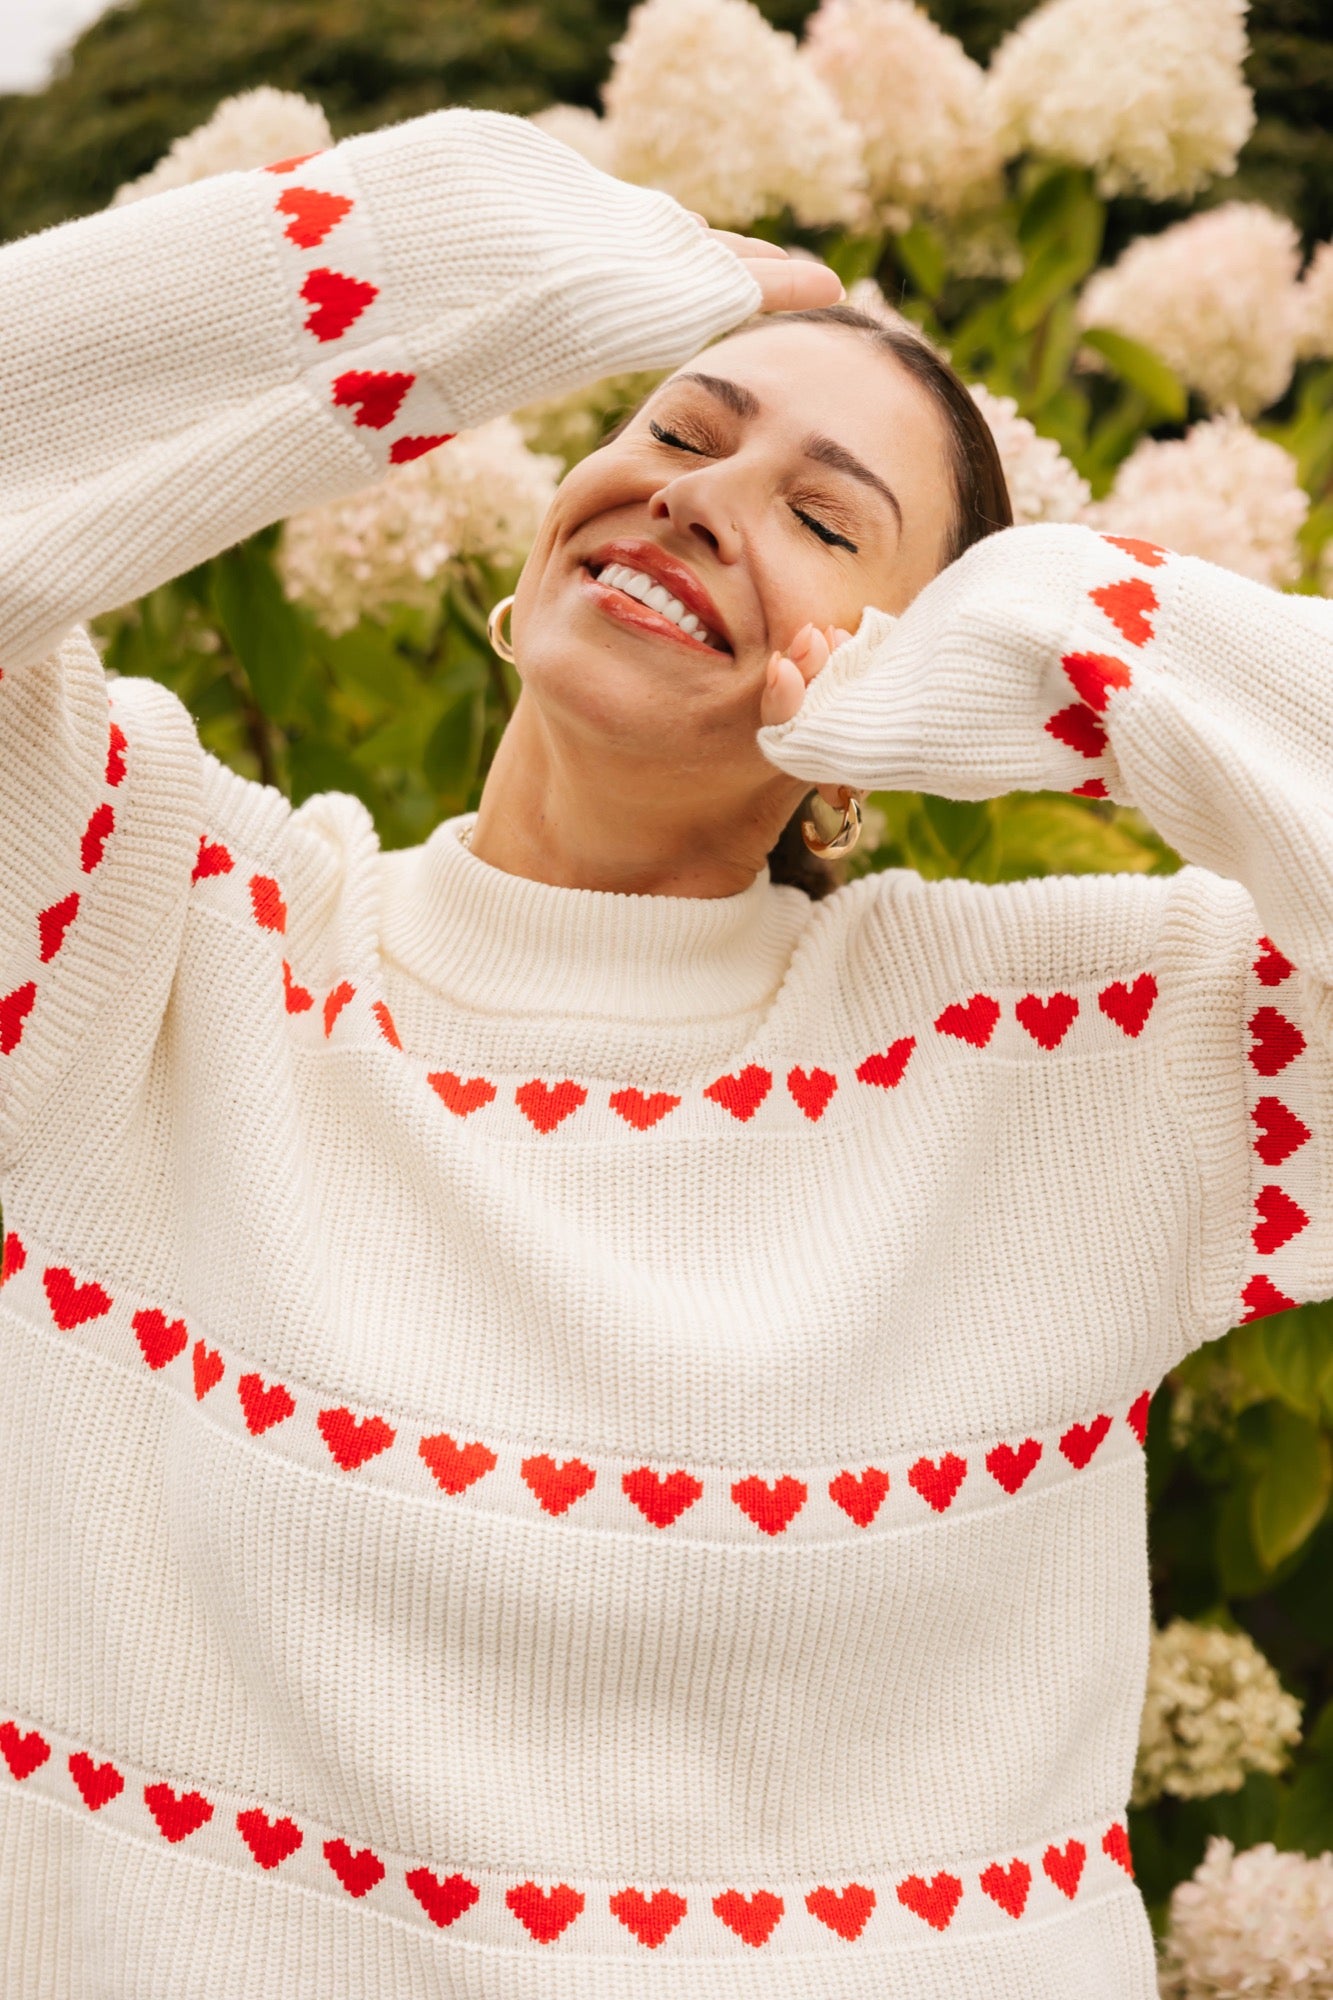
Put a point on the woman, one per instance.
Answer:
(573, 1416)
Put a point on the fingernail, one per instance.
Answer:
(800, 645)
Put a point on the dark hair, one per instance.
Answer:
(980, 495)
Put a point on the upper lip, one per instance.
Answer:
(672, 574)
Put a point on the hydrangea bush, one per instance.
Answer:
(1179, 388)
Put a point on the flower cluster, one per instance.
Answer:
(482, 496)
(919, 101)
(251, 130)
(573, 424)
(709, 102)
(1214, 1709)
(1314, 332)
(1257, 1924)
(1043, 485)
(1221, 492)
(1152, 96)
(1216, 297)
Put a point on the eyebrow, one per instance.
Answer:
(743, 402)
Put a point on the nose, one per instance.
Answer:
(696, 508)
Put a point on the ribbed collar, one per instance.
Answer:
(501, 944)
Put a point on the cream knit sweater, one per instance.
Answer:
(563, 1446)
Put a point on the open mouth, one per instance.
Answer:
(639, 600)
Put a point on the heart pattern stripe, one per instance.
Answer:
(1272, 966)
(1080, 1441)
(640, 1111)
(938, 1482)
(1093, 676)
(98, 1783)
(337, 302)
(1276, 1041)
(358, 1873)
(934, 1901)
(860, 1498)
(1129, 605)
(1009, 1886)
(443, 1901)
(1009, 1465)
(1129, 1005)
(771, 1504)
(544, 1913)
(648, 1918)
(312, 214)
(811, 1089)
(1064, 1865)
(1048, 1021)
(742, 1094)
(1261, 1297)
(661, 1500)
(1281, 1132)
(1280, 1218)
(1078, 729)
(455, 1467)
(376, 395)
(271, 1841)
(970, 1021)
(846, 1911)
(753, 1918)
(557, 1487)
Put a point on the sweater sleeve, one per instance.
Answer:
(185, 370)
(1056, 658)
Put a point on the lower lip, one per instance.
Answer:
(627, 610)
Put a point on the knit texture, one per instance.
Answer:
(558, 1445)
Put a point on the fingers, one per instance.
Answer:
(747, 246)
(784, 691)
(792, 284)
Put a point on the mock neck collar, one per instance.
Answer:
(502, 944)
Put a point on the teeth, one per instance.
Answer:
(635, 584)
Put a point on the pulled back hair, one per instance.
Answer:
(981, 502)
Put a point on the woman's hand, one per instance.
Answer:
(789, 284)
(788, 676)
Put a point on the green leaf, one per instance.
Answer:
(1298, 1347)
(961, 826)
(1039, 833)
(1142, 370)
(1291, 1492)
(855, 257)
(921, 255)
(326, 767)
(450, 759)
(263, 629)
(1052, 206)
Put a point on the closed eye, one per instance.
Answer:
(825, 534)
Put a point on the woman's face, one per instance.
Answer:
(802, 478)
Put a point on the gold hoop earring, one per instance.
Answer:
(844, 837)
(499, 644)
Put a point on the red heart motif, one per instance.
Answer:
(1129, 1006)
(459, 1097)
(386, 1024)
(753, 1918)
(212, 859)
(641, 1111)
(1148, 553)
(267, 904)
(1064, 1866)
(12, 1258)
(886, 1069)
(160, 1339)
(403, 450)
(648, 1918)
(1091, 788)
(1094, 675)
(375, 394)
(455, 1467)
(544, 1913)
(811, 1091)
(1127, 605)
(334, 1002)
(71, 1304)
(557, 1487)
(338, 302)
(296, 999)
(1047, 1021)
(970, 1021)
(938, 1484)
(935, 1900)
(15, 1008)
(263, 1407)
(741, 1095)
(54, 922)
(1272, 966)
(1115, 1842)
(350, 1442)
(1280, 1218)
(1078, 729)
(1136, 1416)
(1262, 1297)
(860, 1499)
(1282, 1132)
(444, 1902)
(270, 1841)
(97, 1783)
(23, 1754)
(297, 160)
(98, 831)
(117, 745)
(1080, 1441)
(771, 1507)
(313, 214)
(177, 1817)
(1009, 1465)
(847, 1913)
(546, 1105)
(208, 1370)
(1277, 1041)
(1007, 1886)
(359, 1873)
(663, 1500)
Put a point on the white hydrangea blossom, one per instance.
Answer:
(1213, 1711)
(1216, 297)
(1149, 94)
(1043, 485)
(581, 129)
(482, 495)
(1251, 1926)
(1314, 335)
(919, 101)
(1221, 492)
(254, 129)
(709, 102)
